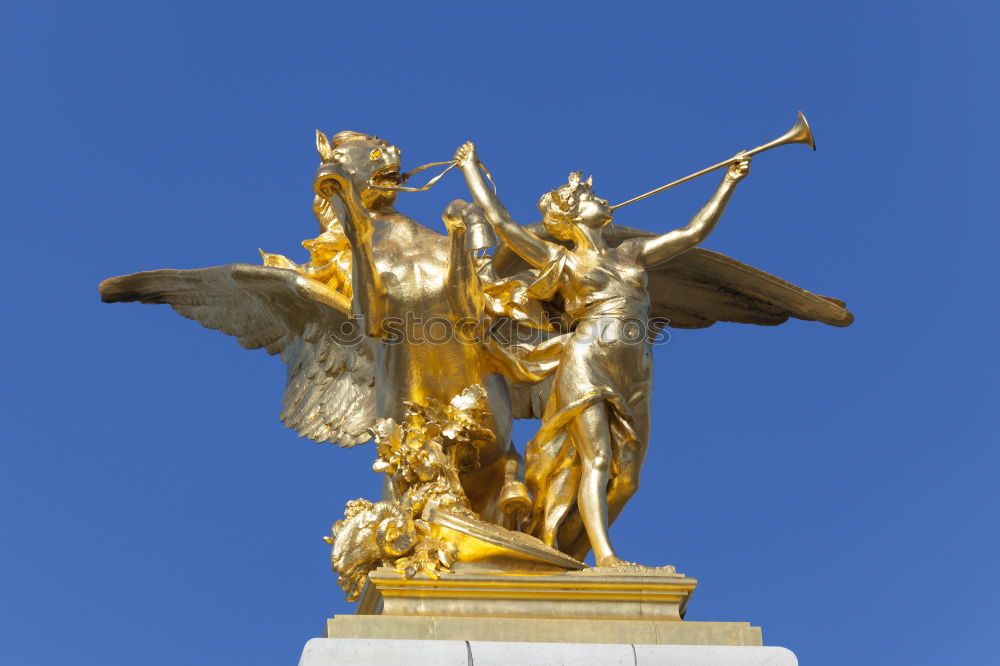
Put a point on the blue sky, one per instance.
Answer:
(837, 487)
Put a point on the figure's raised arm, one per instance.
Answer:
(530, 247)
(657, 250)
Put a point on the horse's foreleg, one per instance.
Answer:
(464, 291)
(369, 294)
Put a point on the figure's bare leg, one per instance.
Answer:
(592, 437)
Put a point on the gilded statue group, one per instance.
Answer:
(431, 345)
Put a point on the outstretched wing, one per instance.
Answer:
(700, 287)
(329, 395)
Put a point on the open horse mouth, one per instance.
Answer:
(388, 176)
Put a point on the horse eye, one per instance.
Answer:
(375, 154)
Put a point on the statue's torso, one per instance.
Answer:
(604, 283)
(420, 356)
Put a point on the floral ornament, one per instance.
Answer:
(423, 456)
(430, 555)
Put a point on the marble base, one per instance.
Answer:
(363, 652)
(540, 630)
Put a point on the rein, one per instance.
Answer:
(433, 181)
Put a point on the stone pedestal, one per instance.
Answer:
(628, 593)
(361, 652)
(624, 605)
(624, 615)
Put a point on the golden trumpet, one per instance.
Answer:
(800, 133)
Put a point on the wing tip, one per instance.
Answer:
(838, 315)
(116, 290)
(846, 319)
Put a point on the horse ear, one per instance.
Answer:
(590, 181)
(323, 146)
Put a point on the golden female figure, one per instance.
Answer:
(589, 451)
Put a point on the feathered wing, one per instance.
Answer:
(700, 287)
(330, 391)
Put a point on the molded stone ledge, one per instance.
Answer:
(643, 594)
(540, 630)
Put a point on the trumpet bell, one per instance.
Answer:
(800, 133)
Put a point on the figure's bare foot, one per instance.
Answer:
(617, 565)
(614, 561)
